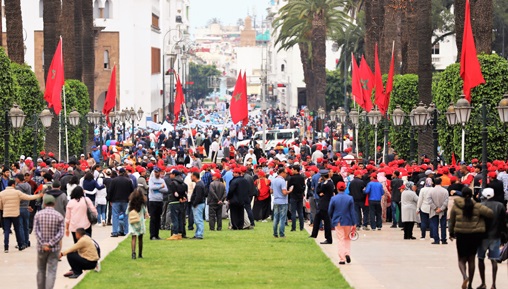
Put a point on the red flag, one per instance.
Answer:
(179, 98)
(470, 70)
(55, 80)
(379, 98)
(244, 91)
(389, 82)
(454, 161)
(367, 84)
(238, 107)
(110, 102)
(355, 83)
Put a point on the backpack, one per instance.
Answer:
(97, 247)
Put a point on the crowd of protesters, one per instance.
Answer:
(167, 176)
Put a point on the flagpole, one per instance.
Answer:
(65, 124)
(188, 126)
(60, 136)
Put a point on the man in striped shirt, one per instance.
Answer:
(49, 231)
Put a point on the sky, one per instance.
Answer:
(201, 11)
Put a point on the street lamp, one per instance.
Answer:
(502, 109)
(135, 115)
(321, 113)
(463, 113)
(306, 114)
(354, 116)
(374, 118)
(366, 120)
(333, 117)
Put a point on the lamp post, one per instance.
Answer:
(45, 117)
(342, 116)
(321, 113)
(366, 119)
(333, 116)
(135, 115)
(374, 118)
(306, 114)
(354, 116)
(112, 120)
(122, 116)
(463, 112)
(502, 110)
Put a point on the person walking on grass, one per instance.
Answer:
(198, 205)
(280, 203)
(467, 225)
(137, 213)
(216, 198)
(324, 190)
(49, 231)
(343, 215)
(496, 230)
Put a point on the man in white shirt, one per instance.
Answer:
(214, 149)
(317, 154)
(250, 155)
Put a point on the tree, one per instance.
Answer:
(14, 23)
(199, 74)
(77, 98)
(481, 22)
(69, 37)
(51, 19)
(88, 44)
(308, 23)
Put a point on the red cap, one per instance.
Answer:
(140, 169)
(261, 174)
(319, 160)
(492, 175)
(341, 186)
(194, 170)
(237, 171)
(51, 154)
(43, 165)
(42, 153)
(373, 175)
(474, 161)
(217, 175)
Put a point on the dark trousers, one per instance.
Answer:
(322, 215)
(375, 215)
(87, 231)
(109, 213)
(78, 263)
(248, 209)
(435, 222)
(215, 215)
(424, 224)
(296, 208)
(236, 213)
(190, 214)
(408, 230)
(24, 221)
(362, 214)
(155, 210)
(181, 229)
(176, 215)
(7, 222)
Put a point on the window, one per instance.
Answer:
(96, 11)
(284, 135)
(155, 21)
(282, 67)
(106, 59)
(41, 8)
(156, 60)
(107, 9)
(435, 48)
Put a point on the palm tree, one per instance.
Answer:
(308, 23)
(51, 19)
(481, 22)
(68, 35)
(14, 25)
(88, 44)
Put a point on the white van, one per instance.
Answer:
(274, 137)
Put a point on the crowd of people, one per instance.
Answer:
(168, 178)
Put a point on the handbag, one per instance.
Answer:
(134, 217)
(92, 218)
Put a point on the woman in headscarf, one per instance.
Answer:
(423, 207)
(262, 203)
(467, 225)
(409, 200)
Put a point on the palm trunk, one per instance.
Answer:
(78, 42)
(307, 73)
(319, 60)
(424, 34)
(88, 50)
(14, 25)
(409, 40)
(481, 22)
(374, 22)
(69, 36)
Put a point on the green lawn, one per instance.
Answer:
(226, 259)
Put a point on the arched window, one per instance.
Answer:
(107, 9)
(41, 8)
(96, 11)
(106, 59)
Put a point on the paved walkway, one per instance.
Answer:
(383, 259)
(19, 269)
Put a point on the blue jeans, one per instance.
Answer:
(24, 222)
(424, 224)
(375, 215)
(101, 213)
(198, 220)
(296, 206)
(7, 222)
(435, 222)
(176, 215)
(118, 208)
(279, 219)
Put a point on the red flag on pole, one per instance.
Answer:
(389, 82)
(244, 91)
(238, 107)
(470, 70)
(379, 98)
(454, 161)
(110, 102)
(179, 98)
(367, 84)
(55, 80)
(355, 83)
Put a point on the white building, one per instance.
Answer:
(129, 33)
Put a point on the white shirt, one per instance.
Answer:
(214, 147)
(248, 156)
(316, 155)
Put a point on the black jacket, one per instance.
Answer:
(238, 191)
(199, 194)
(396, 184)
(327, 189)
(172, 185)
(216, 192)
(252, 187)
(120, 189)
(298, 183)
(498, 188)
(356, 187)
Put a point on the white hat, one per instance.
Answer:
(82, 155)
(29, 158)
(115, 150)
(22, 157)
(488, 193)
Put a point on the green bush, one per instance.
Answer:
(449, 89)
(76, 95)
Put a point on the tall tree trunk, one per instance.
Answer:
(1, 29)
(319, 60)
(78, 42)
(14, 25)
(69, 39)
(88, 50)
(51, 18)
(424, 34)
(307, 73)
(391, 34)
(374, 22)
(481, 22)
(409, 40)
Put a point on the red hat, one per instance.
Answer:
(243, 168)
(43, 165)
(237, 171)
(217, 175)
(426, 160)
(373, 175)
(261, 174)
(194, 170)
(319, 147)
(307, 174)
(341, 186)
(129, 168)
(453, 179)
(319, 160)
(150, 165)
(358, 173)
(474, 161)
(348, 150)
(492, 169)
(204, 167)
(140, 169)
(42, 153)
(446, 171)
(492, 175)
(51, 154)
